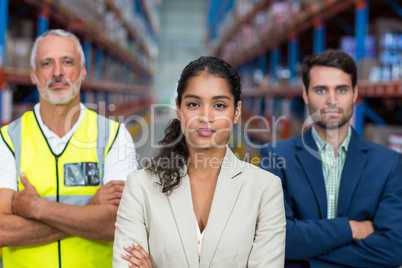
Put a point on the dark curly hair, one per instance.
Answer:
(173, 147)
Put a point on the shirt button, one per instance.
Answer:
(332, 197)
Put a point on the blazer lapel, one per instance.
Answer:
(226, 193)
(351, 173)
(182, 206)
(309, 158)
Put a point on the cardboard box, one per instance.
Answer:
(388, 136)
(19, 52)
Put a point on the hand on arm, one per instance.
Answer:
(383, 246)
(361, 229)
(25, 203)
(306, 238)
(19, 231)
(138, 257)
(110, 193)
(95, 222)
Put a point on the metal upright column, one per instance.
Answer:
(43, 20)
(292, 58)
(3, 30)
(99, 72)
(125, 72)
(361, 33)
(3, 42)
(263, 106)
(262, 64)
(274, 63)
(42, 27)
(319, 37)
(361, 29)
(99, 64)
(87, 47)
(251, 67)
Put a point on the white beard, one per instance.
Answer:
(52, 98)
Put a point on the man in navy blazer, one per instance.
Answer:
(343, 194)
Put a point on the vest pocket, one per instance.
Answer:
(81, 174)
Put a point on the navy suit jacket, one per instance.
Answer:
(370, 189)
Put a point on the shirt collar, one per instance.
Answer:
(322, 145)
(346, 141)
(47, 132)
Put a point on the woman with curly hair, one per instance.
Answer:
(196, 204)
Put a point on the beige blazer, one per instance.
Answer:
(246, 225)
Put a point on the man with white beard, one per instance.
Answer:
(63, 168)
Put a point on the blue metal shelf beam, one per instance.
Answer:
(374, 116)
(42, 27)
(319, 37)
(217, 13)
(361, 111)
(3, 43)
(18, 13)
(43, 21)
(263, 106)
(359, 118)
(87, 47)
(360, 36)
(344, 25)
(262, 64)
(395, 6)
(3, 30)
(361, 29)
(293, 57)
(274, 63)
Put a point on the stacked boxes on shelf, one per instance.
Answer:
(19, 44)
(389, 33)
(383, 60)
(390, 136)
(112, 31)
(369, 63)
(18, 52)
(90, 10)
(277, 33)
(348, 45)
(266, 19)
(113, 25)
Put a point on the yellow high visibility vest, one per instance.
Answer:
(72, 177)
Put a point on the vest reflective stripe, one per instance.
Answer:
(103, 135)
(77, 200)
(14, 132)
(6, 138)
(46, 171)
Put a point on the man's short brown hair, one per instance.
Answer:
(330, 58)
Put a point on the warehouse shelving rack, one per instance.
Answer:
(99, 52)
(308, 30)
